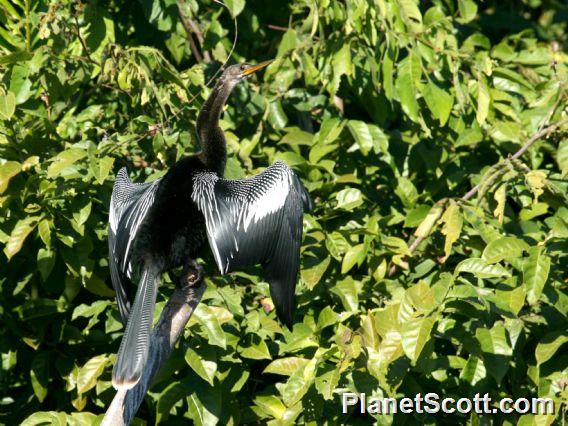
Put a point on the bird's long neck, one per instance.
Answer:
(211, 136)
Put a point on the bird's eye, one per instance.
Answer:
(243, 67)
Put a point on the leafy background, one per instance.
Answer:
(389, 110)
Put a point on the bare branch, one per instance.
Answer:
(543, 132)
(172, 321)
(191, 28)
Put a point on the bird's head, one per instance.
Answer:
(235, 73)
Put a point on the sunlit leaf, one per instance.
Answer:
(285, 366)
(504, 248)
(90, 372)
(549, 345)
(535, 273)
(480, 268)
(415, 334)
(20, 232)
(7, 171)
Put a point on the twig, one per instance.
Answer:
(541, 133)
(192, 28)
(172, 321)
(277, 27)
(84, 43)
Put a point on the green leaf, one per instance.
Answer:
(504, 248)
(19, 234)
(355, 255)
(203, 361)
(483, 100)
(496, 348)
(83, 214)
(312, 276)
(45, 232)
(341, 64)
(406, 191)
(468, 11)
(452, 227)
(90, 372)
(336, 244)
(271, 405)
(39, 374)
(474, 371)
(361, 134)
(276, 115)
(561, 158)
(348, 291)
(500, 195)
(90, 311)
(481, 269)
(45, 262)
(42, 418)
(285, 366)
(349, 199)
(430, 221)
(326, 318)
(103, 168)
(205, 316)
(254, 347)
(549, 345)
(470, 136)
(7, 105)
(288, 42)
(299, 383)
(327, 382)
(65, 159)
(204, 407)
(439, 102)
(415, 334)
(297, 137)
(411, 14)
(7, 171)
(173, 393)
(409, 72)
(535, 273)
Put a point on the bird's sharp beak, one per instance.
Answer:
(255, 68)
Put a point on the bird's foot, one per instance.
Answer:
(193, 274)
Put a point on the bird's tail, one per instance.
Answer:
(133, 353)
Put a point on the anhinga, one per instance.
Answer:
(162, 225)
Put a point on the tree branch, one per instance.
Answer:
(172, 321)
(543, 132)
(192, 28)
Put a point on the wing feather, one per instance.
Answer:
(130, 203)
(257, 220)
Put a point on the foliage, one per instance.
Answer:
(390, 111)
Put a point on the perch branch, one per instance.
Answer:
(172, 321)
(543, 132)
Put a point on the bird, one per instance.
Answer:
(158, 226)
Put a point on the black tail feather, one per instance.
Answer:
(133, 353)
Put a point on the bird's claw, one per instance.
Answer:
(191, 275)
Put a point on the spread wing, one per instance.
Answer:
(257, 220)
(130, 203)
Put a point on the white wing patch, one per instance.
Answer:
(268, 200)
(249, 201)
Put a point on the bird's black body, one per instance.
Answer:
(175, 228)
(162, 225)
